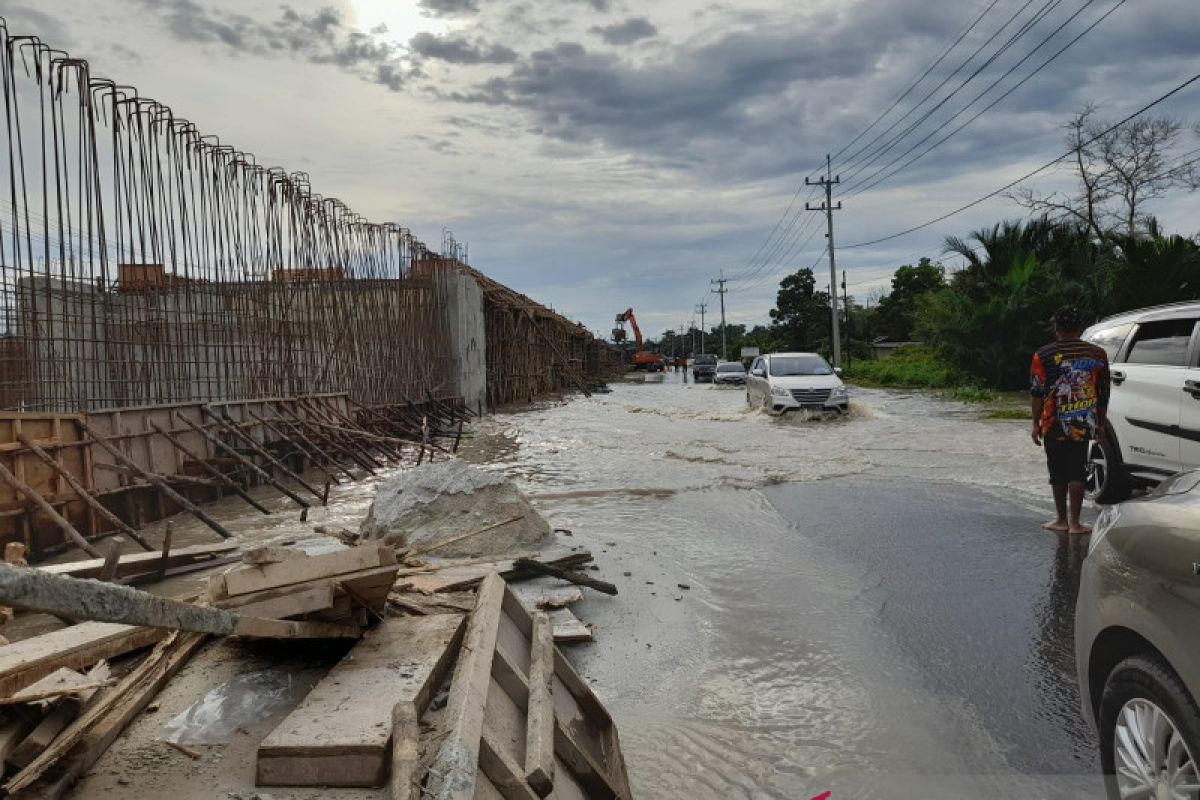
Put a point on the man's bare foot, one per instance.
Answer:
(1079, 529)
(1057, 525)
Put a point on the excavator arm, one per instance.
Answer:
(628, 316)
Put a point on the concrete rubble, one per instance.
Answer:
(396, 704)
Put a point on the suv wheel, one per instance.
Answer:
(1107, 482)
(1149, 732)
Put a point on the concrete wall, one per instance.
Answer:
(462, 298)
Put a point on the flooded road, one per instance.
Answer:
(862, 605)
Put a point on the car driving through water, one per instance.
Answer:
(730, 372)
(783, 382)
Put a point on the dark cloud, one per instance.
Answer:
(458, 50)
(450, 8)
(322, 37)
(599, 5)
(627, 32)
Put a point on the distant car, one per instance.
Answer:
(704, 367)
(1136, 644)
(783, 382)
(1153, 426)
(730, 372)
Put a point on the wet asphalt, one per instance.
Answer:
(866, 606)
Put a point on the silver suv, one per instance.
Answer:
(1154, 413)
(1136, 642)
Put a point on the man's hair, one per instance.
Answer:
(1068, 318)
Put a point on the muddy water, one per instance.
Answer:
(855, 604)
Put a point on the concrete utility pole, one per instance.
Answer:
(721, 290)
(846, 303)
(701, 309)
(829, 181)
(693, 329)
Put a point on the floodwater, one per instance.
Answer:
(863, 605)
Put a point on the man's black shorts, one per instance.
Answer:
(1066, 460)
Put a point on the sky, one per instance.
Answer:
(602, 154)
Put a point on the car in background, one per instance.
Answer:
(730, 372)
(704, 367)
(1136, 645)
(783, 382)
(1153, 427)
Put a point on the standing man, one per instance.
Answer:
(1069, 382)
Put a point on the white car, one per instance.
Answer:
(1154, 412)
(782, 382)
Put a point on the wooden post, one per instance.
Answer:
(219, 476)
(315, 460)
(83, 493)
(225, 425)
(166, 552)
(215, 442)
(158, 483)
(48, 510)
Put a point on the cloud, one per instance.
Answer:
(627, 32)
(23, 20)
(320, 37)
(458, 50)
(450, 8)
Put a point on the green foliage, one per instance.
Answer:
(895, 317)
(801, 314)
(913, 367)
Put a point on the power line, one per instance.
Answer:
(1030, 174)
(874, 181)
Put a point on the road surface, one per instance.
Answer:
(865, 606)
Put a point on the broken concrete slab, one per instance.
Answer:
(423, 508)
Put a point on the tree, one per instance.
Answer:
(1119, 172)
(801, 313)
(895, 317)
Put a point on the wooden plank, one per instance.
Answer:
(406, 753)
(339, 735)
(299, 570)
(503, 771)
(567, 627)
(291, 604)
(134, 563)
(61, 681)
(539, 730)
(271, 555)
(255, 628)
(16, 725)
(467, 576)
(453, 771)
(97, 727)
(60, 716)
(76, 647)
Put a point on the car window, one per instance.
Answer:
(1163, 342)
(730, 368)
(1111, 339)
(784, 366)
(758, 364)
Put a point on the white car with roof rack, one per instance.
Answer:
(1153, 427)
(783, 382)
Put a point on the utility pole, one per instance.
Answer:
(701, 309)
(721, 290)
(693, 329)
(846, 302)
(828, 182)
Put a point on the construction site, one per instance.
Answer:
(200, 358)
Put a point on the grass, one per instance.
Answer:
(919, 368)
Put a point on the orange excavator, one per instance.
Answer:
(642, 359)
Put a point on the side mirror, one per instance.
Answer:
(759, 373)
(837, 371)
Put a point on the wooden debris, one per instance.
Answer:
(537, 567)
(443, 543)
(339, 735)
(299, 570)
(60, 683)
(89, 600)
(16, 725)
(187, 751)
(95, 730)
(467, 575)
(567, 627)
(14, 553)
(492, 707)
(60, 716)
(291, 602)
(270, 555)
(539, 728)
(76, 647)
(138, 563)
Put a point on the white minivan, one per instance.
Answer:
(1154, 412)
(782, 382)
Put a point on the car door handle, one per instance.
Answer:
(1117, 376)
(1192, 388)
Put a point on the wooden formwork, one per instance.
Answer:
(145, 463)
